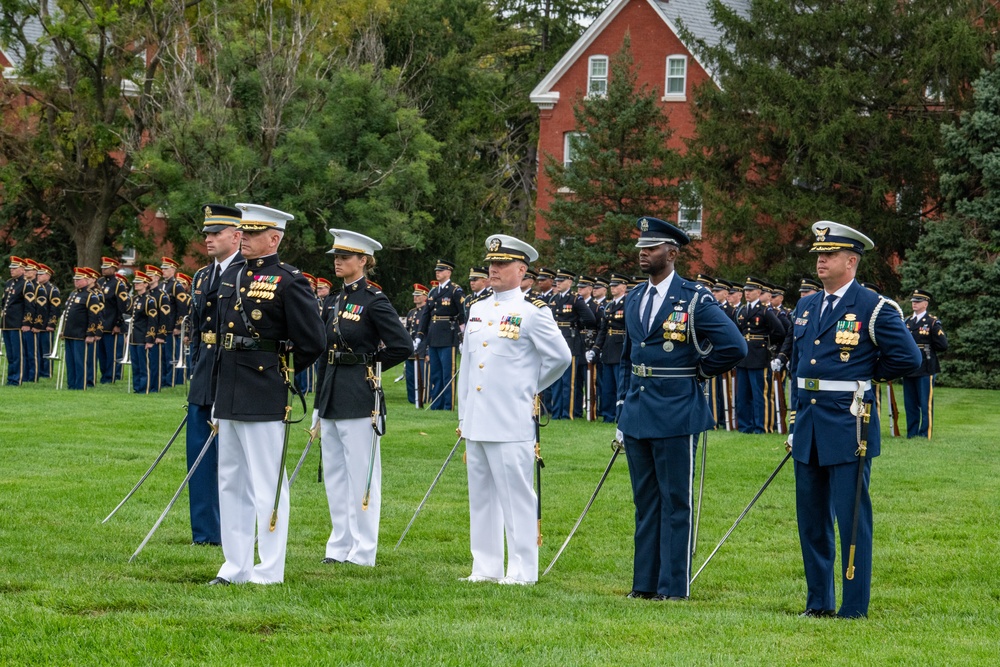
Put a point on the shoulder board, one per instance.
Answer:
(537, 303)
(373, 290)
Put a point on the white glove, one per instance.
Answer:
(315, 417)
(416, 344)
(776, 365)
(619, 436)
(590, 356)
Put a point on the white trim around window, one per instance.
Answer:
(597, 76)
(689, 209)
(675, 85)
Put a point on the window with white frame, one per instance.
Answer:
(597, 76)
(675, 88)
(689, 209)
(571, 146)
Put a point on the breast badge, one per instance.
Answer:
(352, 311)
(510, 326)
(675, 327)
(263, 287)
(848, 335)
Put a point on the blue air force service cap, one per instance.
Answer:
(257, 218)
(219, 217)
(346, 242)
(834, 237)
(654, 232)
(504, 248)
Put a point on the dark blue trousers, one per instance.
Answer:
(560, 391)
(12, 348)
(171, 352)
(44, 348)
(442, 369)
(29, 356)
(662, 473)
(750, 400)
(203, 489)
(411, 380)
(919, 409)
(76, 371)
(106, 357)
(822, 494)
(608, 391)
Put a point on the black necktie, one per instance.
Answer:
(647, 313)
(215, 276)
(827, 310)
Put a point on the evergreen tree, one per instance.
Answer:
(622, 169)
(831, 109)
(956, 258)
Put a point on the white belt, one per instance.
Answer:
(833, 385)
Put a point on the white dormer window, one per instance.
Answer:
(675, 88)
(597, 76)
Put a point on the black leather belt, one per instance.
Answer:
(233, 342)
(337, 358)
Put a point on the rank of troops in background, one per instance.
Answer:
(110, 325)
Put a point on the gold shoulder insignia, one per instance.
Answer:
(537, 303)
(165, 308)
(183, 297)
(41, 300)
(96, 308)
(123, 296)
(55, 301)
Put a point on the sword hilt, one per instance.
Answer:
(274, 521)
(850, 565)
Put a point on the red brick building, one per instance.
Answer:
(666, 64)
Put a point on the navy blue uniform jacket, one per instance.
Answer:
(667, 407)
(824, 417)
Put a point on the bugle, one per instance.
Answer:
(54, 354)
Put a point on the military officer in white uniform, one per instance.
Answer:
(512, 350)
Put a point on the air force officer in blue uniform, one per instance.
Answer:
(843, 338)
(677, 336)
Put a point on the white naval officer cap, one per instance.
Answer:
(503, 248)
(833, 237)
(346, 242)
(257, 218)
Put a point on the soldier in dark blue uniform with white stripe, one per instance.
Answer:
(677, 337)
(609, 344)
(440, 329)
(918, 387)
(573, 317)
(82, 329)
(222, 243)
(144, 357)
(761, 329)
(843, 338)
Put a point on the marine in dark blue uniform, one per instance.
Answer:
(13, 317)
(608, 346)
(918, 387)
(116, 302)
(677, 336)
(144, 358)
(844, 337)
(440, 329)
(222, 244)
(573, 317)
(417, 363)
(761, 330)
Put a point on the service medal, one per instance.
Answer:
(256, 315)
(668, 346)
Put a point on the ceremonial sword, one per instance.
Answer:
(148, 472)
(428, 494)
(617, 447)
(313, 432)
(774, 474)
(215, 430)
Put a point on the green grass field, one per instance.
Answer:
(69, 596)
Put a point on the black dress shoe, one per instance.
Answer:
(641, 595)
(219, 581)
(329, 561)
(818, 613)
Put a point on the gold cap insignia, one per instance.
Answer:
(208, 211)
(821, 234)
(494, 244)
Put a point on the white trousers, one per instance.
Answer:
(502, 499)
(249, 458)
(347, 446)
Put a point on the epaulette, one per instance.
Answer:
(373, 290)
(537, 303)
(472, 300)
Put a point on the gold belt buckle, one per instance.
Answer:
(330, 357)
(227, 341)
(208, 338)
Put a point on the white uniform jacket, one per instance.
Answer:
(512, 350)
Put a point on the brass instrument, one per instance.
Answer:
(54, 354)
(126, 359)
(181, 361)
